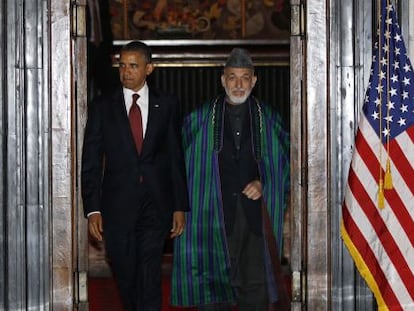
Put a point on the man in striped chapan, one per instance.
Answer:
(238, 177)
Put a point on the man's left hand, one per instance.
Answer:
(253, 190)
(178, 224)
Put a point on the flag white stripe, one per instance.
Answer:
(364, 225)
(399, 184)
(387, 214)
(407, 147)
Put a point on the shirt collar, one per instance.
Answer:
(143, 92)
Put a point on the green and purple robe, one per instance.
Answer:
(201, 262)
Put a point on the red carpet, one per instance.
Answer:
(103, 295)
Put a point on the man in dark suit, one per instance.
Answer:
(133, 178)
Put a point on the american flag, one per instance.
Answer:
(378, 210)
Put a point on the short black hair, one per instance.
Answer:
(140, 47)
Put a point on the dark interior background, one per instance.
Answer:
(196, 85)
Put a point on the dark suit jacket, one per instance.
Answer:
(111, 166)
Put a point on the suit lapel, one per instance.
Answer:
(154, 108)
(121, 118)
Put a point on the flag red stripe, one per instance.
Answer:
(369, 258)
(385, 237)
(392, 197)
(410, 133)
(401, 163)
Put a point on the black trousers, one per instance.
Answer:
(248, 276)
(136, 258)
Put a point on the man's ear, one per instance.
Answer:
(223, 81)
(149, 68)
(254, 81)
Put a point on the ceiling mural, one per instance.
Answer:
(200, 19)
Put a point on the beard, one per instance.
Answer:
(237, 100)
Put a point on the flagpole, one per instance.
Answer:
(381, 181)
(387, 177)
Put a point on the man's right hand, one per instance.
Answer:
(95, 226)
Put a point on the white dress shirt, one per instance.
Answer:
(142, 103)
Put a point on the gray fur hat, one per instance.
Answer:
(239, 58)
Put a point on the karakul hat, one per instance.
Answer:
(239, 58)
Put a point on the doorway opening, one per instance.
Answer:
(193, 74)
